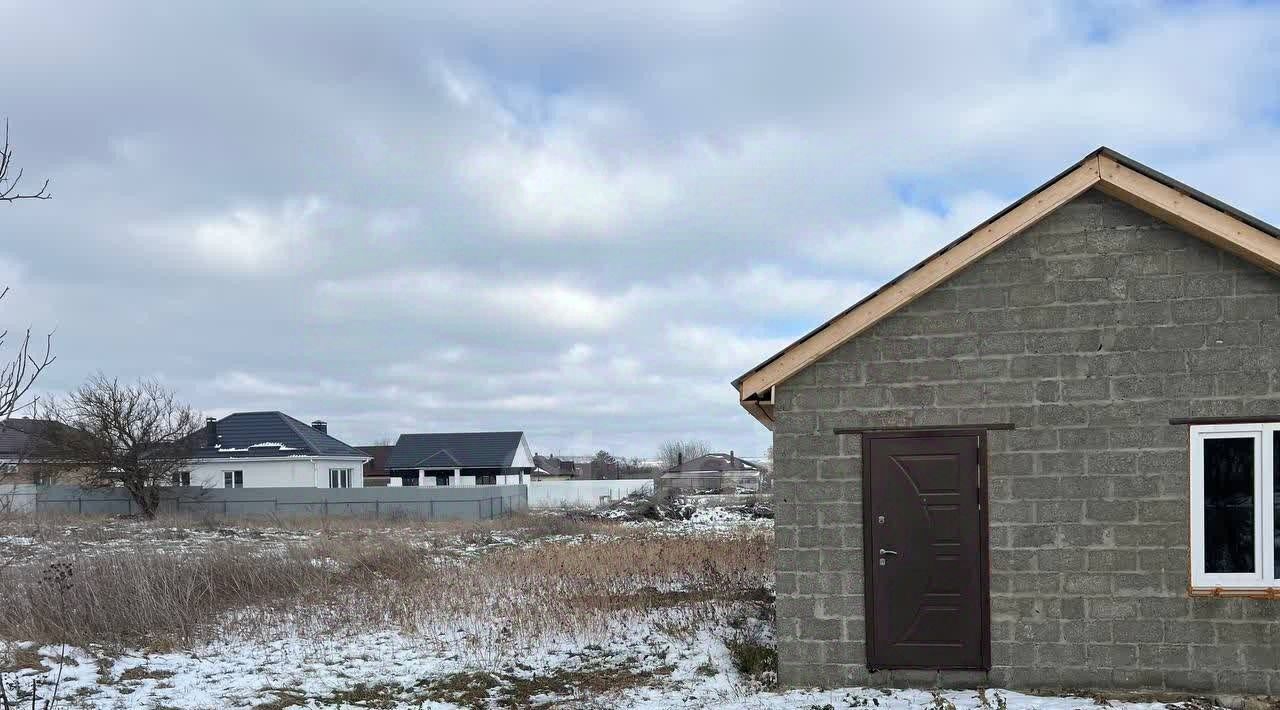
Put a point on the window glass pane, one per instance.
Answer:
(1275, 499)
(1228, 505)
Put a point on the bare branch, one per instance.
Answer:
(9, 187)
(18, 375)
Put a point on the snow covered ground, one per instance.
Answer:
(636, 669)
(674, 647)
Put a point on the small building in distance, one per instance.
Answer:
(714, 471)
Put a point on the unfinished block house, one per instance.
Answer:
(1045, 457)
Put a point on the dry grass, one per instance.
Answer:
(482, 689)
(580, 578)
(23, 658)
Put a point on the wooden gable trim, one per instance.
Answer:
(761, 410)
(1189, 214)
(1163, 201)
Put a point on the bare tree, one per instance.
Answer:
(136, 436)
(18, 374)
(9, 186)
(671, 453)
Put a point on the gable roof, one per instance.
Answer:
(476, 449)
(440, 459)
(268, 435)
(1104, 169)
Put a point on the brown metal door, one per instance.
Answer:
(926, 551)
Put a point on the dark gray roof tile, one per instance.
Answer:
(269, 434)
(477, 449)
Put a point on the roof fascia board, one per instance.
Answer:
(918, 282)
(299, 457)
(762, 413)
(1189, 214)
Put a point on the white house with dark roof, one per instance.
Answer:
(461, 459)
(272, 449)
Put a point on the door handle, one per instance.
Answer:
(884, 552)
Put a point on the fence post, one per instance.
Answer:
(431, 510)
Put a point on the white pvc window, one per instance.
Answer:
(1233, 506)
(339, 478)
(233, 479)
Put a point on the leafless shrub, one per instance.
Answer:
(137, 436)
(673, 452)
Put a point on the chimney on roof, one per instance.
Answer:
(679, 459)
(320, 426)
(732, 466)
(211, 432)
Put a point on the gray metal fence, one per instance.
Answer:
(428, 503)
(709, 481)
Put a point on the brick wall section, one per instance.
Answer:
(1088, 332)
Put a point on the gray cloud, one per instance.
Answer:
(579, 222)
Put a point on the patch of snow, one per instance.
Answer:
(677, 672)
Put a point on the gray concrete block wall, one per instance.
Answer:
(1088, 332)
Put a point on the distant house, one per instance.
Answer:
(20, 456)
(712, 471)
(461, 459)
(272, 449)
(375, 469)
(551, 468)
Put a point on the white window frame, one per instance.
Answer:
(182, 479)
(341, 477)
(1263, 578)
(237, 479)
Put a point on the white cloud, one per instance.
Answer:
(894, 241)
(718, 349)
(242, 239)
(469, 297)
(249, 385)
(554, 186)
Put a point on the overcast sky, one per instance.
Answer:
(577, 220)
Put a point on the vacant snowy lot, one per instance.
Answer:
(551, 610)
